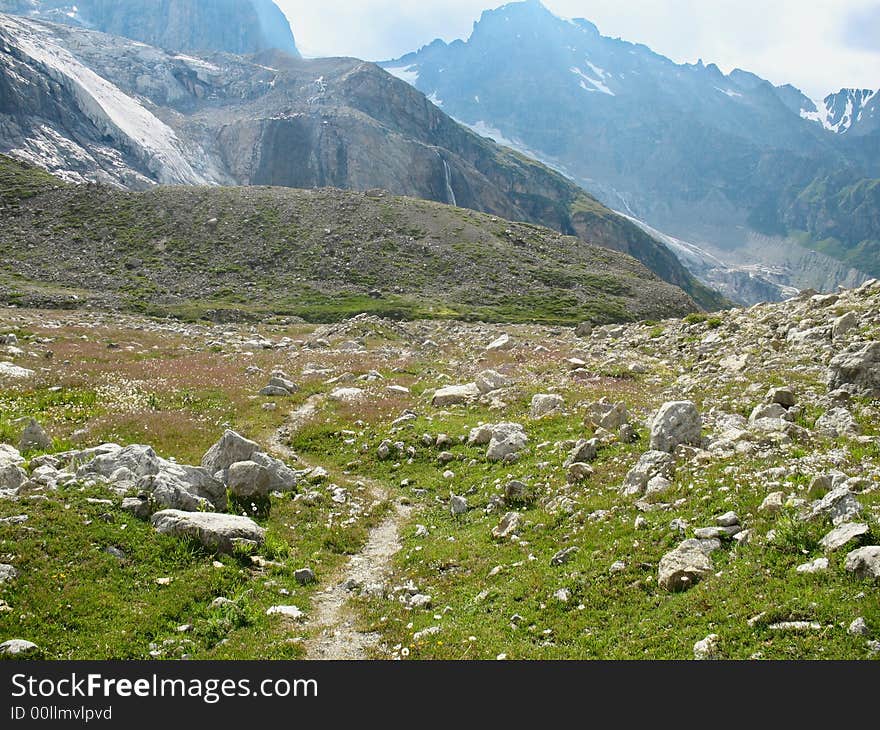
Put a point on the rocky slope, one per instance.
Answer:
(235, 26)
(97, 107)
(707, 157)
(320, 254)
(706, 488)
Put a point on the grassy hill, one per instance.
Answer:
(321, 255)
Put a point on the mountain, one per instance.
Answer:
(235, 26)
(253, 252)
(101, 108)
(720, 161)
(853, 111)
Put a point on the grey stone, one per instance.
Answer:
(859, 627)
(507, 527)
(543, 405)
(563, 556)
(839, 504)
(140, 507)
(843, 535)
(19, 648)
(707, 649)
(217, 532)
(683, 567)
(858, 366)
(864, 562)
(782, 396)
(458, 505)
(455, 395)
(651, 464)
(305, 576)
(7, 573)
(583, 452)
(34, 438)
(489, 381)
(230, 449)
(676, 423)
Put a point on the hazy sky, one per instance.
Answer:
(818, 45)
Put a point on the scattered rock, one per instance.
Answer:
(773, 503)
(504, 342)
(7, 573)
(820, 565)
(563, 556)
(289, 612)
(859, 627)
(305, 576)
(782, 396)
(858, 366)
(230, 449)
(796, 626)
(458, 505)
(8, 370)
(489, 381)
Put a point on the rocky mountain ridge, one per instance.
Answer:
(706, 157)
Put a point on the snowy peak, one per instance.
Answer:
(844, 111)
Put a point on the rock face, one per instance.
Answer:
(234, 26)
(684, 567)
(676, 423)
(858, 367)
(217, 532)
(560, 88)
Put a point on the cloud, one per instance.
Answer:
(820, 46)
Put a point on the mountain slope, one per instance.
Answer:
(100, 108)
(321, 254)
(235, 26)
(709, 158)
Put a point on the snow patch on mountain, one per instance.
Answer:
(111, 110)
(595, 83)
(410, 74)
(839, 112)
